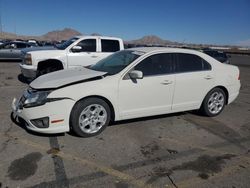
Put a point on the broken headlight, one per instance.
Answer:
(34, 98)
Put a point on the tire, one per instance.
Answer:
(214, 103)
(89, 117)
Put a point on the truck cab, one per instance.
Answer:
(75, 52)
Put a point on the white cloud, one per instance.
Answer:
(244, 43)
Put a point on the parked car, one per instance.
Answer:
(219, 55)
(33, 42)
(12, 50)
(77, 51)
(132, 83)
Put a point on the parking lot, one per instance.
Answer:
(175, 150)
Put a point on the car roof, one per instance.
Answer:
(17, 42)
(218, 51)
(165, 49)
(90, 36)
(149, 50)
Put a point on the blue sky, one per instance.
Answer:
(191, 21)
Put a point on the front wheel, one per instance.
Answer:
(213, 103)
(90, 117)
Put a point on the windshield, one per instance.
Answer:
(67, 43)
(116, 62)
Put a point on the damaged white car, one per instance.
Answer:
(129, 84)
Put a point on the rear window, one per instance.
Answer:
(191, 63)
(21, 45)
(110, 45)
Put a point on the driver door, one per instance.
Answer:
(151, 95)
(85, 56)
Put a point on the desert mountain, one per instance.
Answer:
(150, 40)
(5, 35)
(61, 34)
(67, 33)
(50, 36)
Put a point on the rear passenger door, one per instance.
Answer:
(194, 79)
(108, 47)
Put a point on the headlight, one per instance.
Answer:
(28, 59)
(35, 98)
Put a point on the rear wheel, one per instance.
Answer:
(90, 117)
(214, 102)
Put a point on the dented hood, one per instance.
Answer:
(64, 77)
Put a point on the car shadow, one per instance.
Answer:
(135, 120)
(21, 123)
(24, 80)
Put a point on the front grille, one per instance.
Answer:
(21, 102)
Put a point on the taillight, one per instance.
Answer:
(239, 77)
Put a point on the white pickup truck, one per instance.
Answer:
(77, 51)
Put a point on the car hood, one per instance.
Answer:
(64, 78)
(25, 50)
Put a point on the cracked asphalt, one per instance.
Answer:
(175, 150)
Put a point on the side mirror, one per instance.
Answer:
(135, 74)
(76, 48)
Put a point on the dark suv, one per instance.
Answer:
(218, 55)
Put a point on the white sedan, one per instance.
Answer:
(132, 83)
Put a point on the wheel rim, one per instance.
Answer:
(92, 118)
(216, 102)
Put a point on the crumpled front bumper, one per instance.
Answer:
(58, 113)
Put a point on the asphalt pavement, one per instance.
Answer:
(174, 150)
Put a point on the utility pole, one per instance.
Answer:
(1, 25)
(15, 28)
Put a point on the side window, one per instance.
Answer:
(20, 45)
(206, 65)
(7, 46)
(88, 45)
(156, 65)
(110, 45)
(13, 46)
(191, 63)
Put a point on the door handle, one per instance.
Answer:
(208, 77)
(94, 56)
(167, 82)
